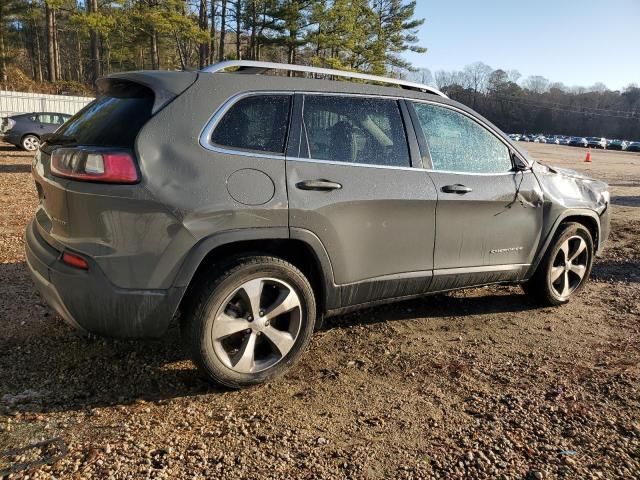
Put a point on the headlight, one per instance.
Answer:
(605, 196)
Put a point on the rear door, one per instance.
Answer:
(352, 184)
(489, 214)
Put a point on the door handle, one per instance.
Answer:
(320, 185)
(457, 188)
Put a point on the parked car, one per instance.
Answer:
(597, 142)
(25, 130)
(633, 147)
(578, 142)
(540, 139)
(617, 145)
(257, 205)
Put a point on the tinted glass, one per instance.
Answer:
(258, 122)
(459, 144)
(48, 118)
(113, 119)
(355, 130)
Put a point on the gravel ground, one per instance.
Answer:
(475, 384)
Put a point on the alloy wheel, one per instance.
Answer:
(31, 143)
(569, 267)
(257, 325)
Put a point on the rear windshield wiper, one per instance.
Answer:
(57, 139)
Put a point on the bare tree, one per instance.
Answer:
(536, 84)
(477, 75)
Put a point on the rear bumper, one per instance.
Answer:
(88, 301)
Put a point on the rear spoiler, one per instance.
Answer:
(165, 85)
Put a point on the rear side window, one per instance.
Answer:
(50, 118)
(257, 122)
(114, 119)
(459, 144)
(355, 130)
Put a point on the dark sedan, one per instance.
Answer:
(633, 147)
(25, 130)
(578, 142)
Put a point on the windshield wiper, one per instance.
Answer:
(57, 139)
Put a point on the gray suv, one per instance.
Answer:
(256, 205)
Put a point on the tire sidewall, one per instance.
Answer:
(209, 360)
(569, 231)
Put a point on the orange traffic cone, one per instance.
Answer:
(588, 157)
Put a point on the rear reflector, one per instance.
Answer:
(97, 165)
(75, 261)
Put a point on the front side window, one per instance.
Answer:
(257, 122)
(355, 130)
(459, 144)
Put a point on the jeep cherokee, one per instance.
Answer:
(257, 205)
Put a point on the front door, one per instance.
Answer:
(353, 186)
(489, 215)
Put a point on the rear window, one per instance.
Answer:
(114, 118)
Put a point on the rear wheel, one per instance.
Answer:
(565, 268)
(30, 143)
(250, 321)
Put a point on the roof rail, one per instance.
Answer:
(257, 68)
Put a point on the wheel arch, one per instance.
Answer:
(588, 218)
(301, 248)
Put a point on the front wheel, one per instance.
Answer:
(250, 321)
(565, 268)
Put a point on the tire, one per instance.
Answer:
(264, 345)
(542, 287)
(30, 143)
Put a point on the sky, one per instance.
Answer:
(574, 42)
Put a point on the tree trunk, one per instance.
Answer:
(56, 47)
(52, 74)
(238, 36)
(223, 27)
(92, 6)
(212, 42)
(155, 59)
(80, 66)
(3, 62)
(36, 35)
(181, 54)
(204, 26)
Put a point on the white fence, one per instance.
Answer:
(24, 102)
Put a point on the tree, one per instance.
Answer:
(395, 32)
(536, 84)
(476, 76)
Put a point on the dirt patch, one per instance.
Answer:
(476, 384)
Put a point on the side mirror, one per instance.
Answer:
(520, 165)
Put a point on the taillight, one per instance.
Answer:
(104, 166)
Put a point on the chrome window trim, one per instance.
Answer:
(205, 135)
(207, 131)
